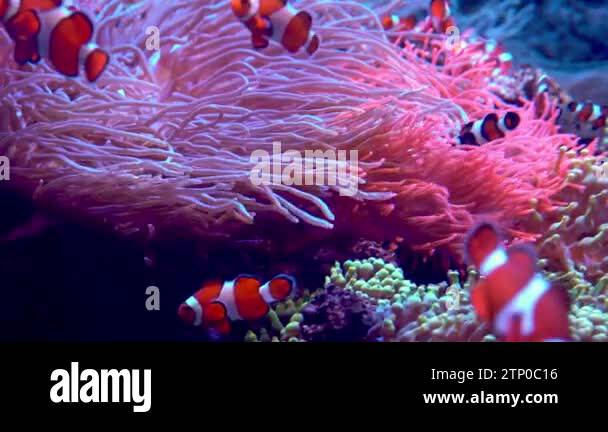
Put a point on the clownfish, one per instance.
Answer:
(519, 302)
(217, 304)
(495, 51)
(586, 119)
(540, 90)
(441, 15)
(279, 21)
(394, 22)
(45, 28)
(488, 129)
(587, 113)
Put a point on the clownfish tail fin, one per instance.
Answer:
(95, 61)
(511, 120)
(279, 288)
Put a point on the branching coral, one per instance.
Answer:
(162, 146)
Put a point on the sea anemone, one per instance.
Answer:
(161, 145)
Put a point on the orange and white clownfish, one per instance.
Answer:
(45, 28)
(397, 23)
(519, 302)
(217, 304)
(279, 21)
(488, 129)
(587, 114)
(586, 119)
(441, 15)
(493, 50)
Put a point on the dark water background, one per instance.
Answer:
(70, 283)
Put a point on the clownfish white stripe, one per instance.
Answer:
(193, 303)
(226, 297)
(85, 50)
(493, 261)
(597, 113)
(311, 40)
(523, 305)
(502, 126)
(265, 293)
(48, 21)
(280, 20)
(505, 57)
(476, 130)
(13, 8)
(491, 45)
(254, 8)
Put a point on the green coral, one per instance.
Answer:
(283, 322)
(371, 276)
(589, 304)
(589, 323)
(433, 312)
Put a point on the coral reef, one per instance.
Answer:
(371, 300)
(330, 314)
(574, 249)
(575, 234)
(434, 312)
(337, 315)
(372, 276)
(369, 248)
(409, 312)
(589, 324)
(283, 322)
